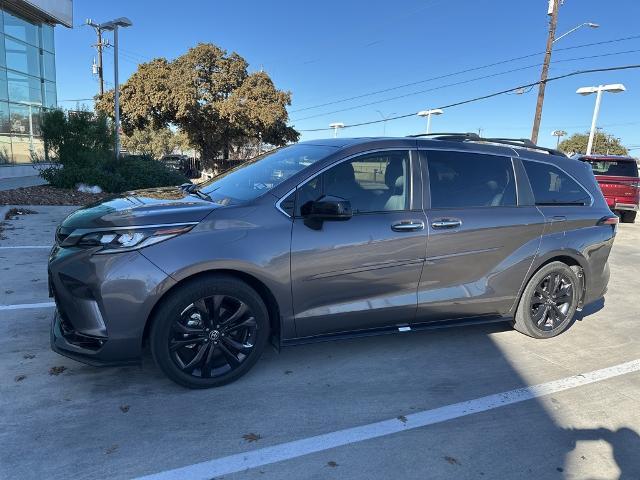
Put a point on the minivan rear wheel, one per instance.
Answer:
(209, 332)
(549, 302)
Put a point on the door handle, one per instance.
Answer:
(556, 218)
(446, 223)
(407, 226)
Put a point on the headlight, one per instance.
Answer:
(112, 241)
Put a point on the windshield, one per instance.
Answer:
(616, 168)
(258, 176)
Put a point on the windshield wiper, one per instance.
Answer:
(192, 189)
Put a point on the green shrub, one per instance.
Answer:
(81, 145)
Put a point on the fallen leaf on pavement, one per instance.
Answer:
(251, 437)
(57, 370)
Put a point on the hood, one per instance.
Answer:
(142, 207)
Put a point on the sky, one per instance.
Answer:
(329, 51)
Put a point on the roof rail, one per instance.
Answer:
(474, 137)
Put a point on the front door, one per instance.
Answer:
(482, 241)
(361, 273)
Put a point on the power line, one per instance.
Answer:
(462, 82)
(490, 95)
(467, 70)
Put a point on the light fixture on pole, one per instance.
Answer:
(335, 127)
(113, 25)
(612, 88)
(428, 114)
(554, 6)
(558, 133)
(585, 24)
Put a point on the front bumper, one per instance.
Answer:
(103, 303)
(71, 345)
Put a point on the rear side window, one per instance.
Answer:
(615, 168)
(551, 186)
(460, 180)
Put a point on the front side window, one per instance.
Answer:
(377, 182)
(461, 180)
(256, 177)
(551, 186)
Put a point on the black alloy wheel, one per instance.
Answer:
(209, 331)
(551, 301)
(213, 336)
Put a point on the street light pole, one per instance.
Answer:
(553, 22)
(335, 127)
(613, 88)
(428, 114)
(559, 134)
(594, 120)
(116, 83)
(384, 121)
(113, 25)
(551, 40)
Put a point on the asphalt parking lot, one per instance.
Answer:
(407, 406)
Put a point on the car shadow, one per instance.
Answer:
(624, 442)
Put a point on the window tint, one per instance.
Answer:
(460, 180)
(372, 183)
(551, 186)
(616, 168)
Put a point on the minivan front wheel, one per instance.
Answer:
(209, 332)
(549, 301)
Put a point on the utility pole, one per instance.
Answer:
(99, 46)
(554, 6)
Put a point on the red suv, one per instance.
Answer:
(619, 182)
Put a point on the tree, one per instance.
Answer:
(209, 95)
(154, 142)
(603, 144)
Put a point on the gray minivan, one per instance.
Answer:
(326, 239)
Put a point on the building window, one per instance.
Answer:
(50, 95)
(24, 89)
(22, 57)
(27, 84)
(49, 63)
(21, 29)
(47, 38)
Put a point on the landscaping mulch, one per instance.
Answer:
(48, 195)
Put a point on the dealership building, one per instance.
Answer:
(27, 77)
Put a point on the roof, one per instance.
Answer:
(47, 11)
(497, 146)
(624, 158)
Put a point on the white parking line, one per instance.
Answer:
(23, 306)
(26, 247)
(306, 446)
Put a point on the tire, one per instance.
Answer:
(628, 216)
(536, 315)
(209, 332)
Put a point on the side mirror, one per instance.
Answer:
(327, 208)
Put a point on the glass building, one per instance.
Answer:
(27, 75)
